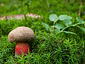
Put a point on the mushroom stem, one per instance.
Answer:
(22, 48)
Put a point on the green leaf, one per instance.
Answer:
(63, 17)
(57, 31)
(53, 17)
(67, 22)
(59, 26)
(47, 27)
(80, 20)
(69, 32)
(83, 29)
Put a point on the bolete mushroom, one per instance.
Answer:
(21, 35)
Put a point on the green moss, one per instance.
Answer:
(48, 47)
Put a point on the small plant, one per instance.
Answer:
(62, 23)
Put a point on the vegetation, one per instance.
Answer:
(59, 36)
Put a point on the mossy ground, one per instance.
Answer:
(47, 47)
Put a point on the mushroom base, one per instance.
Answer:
(21, 48)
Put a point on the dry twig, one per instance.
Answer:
(79, 14)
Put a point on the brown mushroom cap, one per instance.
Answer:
(21, 34)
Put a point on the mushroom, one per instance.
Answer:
(21, 35)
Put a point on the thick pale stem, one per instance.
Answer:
(22, 48)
